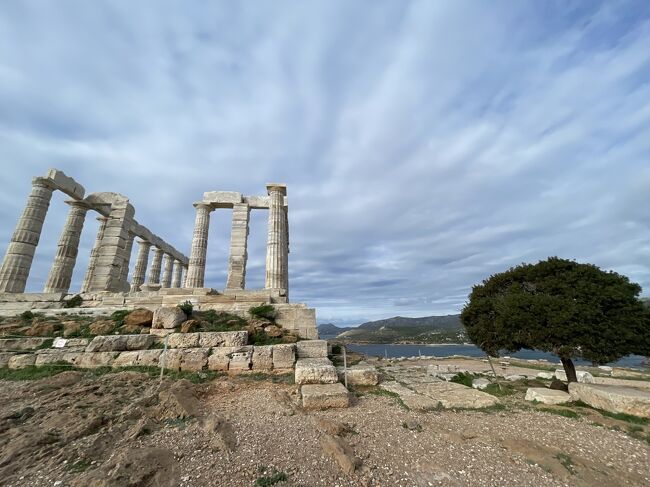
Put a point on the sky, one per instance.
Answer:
(425, 144)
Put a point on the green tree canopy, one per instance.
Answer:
(557, 305)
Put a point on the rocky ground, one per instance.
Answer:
(93, 428)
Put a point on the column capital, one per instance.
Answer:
(276, 188)
(144, 243)
(203, 205)
(78, 204)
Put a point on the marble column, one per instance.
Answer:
(169, 269)
(238, 246)
(60, 277)
(124, 272)
(20, 253)
(178, 274)
(277, 243)
(92, 261)
(196, 270)
(140, 265)
(156, 264)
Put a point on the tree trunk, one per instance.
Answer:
(569, 369)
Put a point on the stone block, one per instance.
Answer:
(107, 343)
(161, 332)
(50, 358)
(582, 375)
(219, 358)
(139, 342)
(125, 359)
(315, 371)
(284, 356)
(183, 340)
(91, 360)
(360, 375)
(139, 317)
(311, 349)
(22, 343)
(547, 396)
(241, 359)
(171, 359)
(168, 318)
(324, 396)
(480, 384)
(223, 339)
(262, 358)
(194, 359)
(615, 399)
(21, 360)
(149, 358)
(4, 358)
(545, 375)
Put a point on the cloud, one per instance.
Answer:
(426, 145)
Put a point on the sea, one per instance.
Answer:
(469, 350)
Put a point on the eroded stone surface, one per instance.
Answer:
(361, 375)
(168, 318)
(324, 396)
(315, 371)
(311, 349)
(615, 399)
(547, 396)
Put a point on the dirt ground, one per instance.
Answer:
(83, 429)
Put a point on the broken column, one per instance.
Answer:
(140, 265)
(277, 248)
(167, 274)
(60, 275)
(20, 253)
(178, 273)
(92, 261)
(238, 246)
(196, 269)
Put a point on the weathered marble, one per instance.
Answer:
(140, 265)
(196, 269)
(277, 246)
(169, 269)
(238, 247)
(156, 266)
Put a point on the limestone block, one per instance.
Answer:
(70, 342)
(545, 375)
(222, 199)
(168, 318)
(139, 317)
(149, 358)
(223, 339)
(582, 375)
(241, 359)
(615, 399)
(125, 359)
(139, 342)
(194, 359)
(284, 356)
(4, 358)
(160, 332)
(361, 375)
(21, 360)
(480, 384)
(219, 358)
(547, 396)
(311, 349)
(171, 359)
(107, 343)
(324, 396)
(183, 340)
(21, 343)
(315, 371)
(91, 360)
(263, 357)
(66, 184)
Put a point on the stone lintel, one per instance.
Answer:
(65, 184)
(222, 199)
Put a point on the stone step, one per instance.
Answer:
(615, 399)
(312, 349)
(324, 396)
(359, 375)
(315, 371)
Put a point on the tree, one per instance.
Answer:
(560, 306)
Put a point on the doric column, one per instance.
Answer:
(92, 262)
(178, 273)
(124, 272)
(196, 270)
(60, 277)
(238, 247)
(277, 244)
(20, 253)
(140, 265)
(167, 274)
(156, 264)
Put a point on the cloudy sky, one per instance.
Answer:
(425, 144)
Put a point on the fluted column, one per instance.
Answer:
(140, 265)
(92, 261)
(196, 270)
(167, 274)
(20, 253)
(154, 272)
(178, 273)
(60, 277)
(238, 247)
(124, 273)
(276, 246)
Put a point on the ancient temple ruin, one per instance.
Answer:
(164, 280)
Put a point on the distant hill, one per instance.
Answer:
(329, 330)
(428, 329)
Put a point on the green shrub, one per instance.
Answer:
(270, 480)
(464, 378)
(119, 315)
(266, 311)
(74, 302)
(336, 349)
(186, 307)
(26, 316)
(262, 338)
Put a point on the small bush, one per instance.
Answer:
(262, 338)
(74, 302)
(463, 378)
(26, 316)
(567, 413)
(119, 315)
(186, 307)
(266, 311)
(336, 349)
(270, 480)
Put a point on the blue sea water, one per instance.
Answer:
(396, 350)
